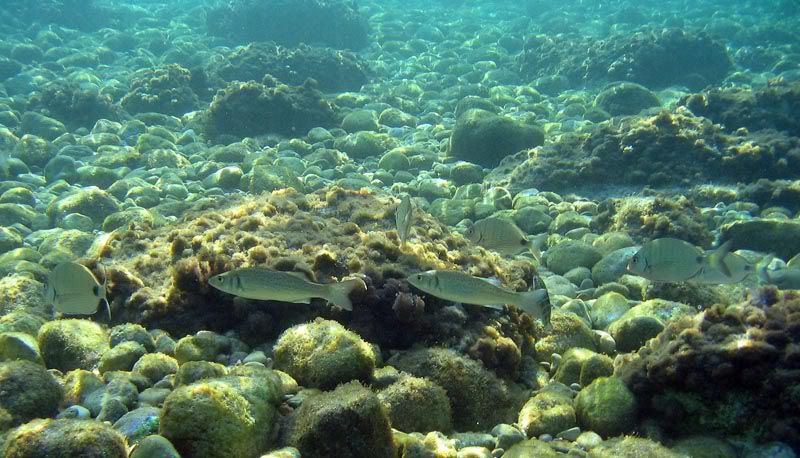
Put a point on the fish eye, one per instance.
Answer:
(635, 260)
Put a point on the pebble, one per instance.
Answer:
(76, 411)
(575, 386)
(474, 452)
(589, 440)
(546, 438)
(498, 452)
(570, 434)
(507, 435)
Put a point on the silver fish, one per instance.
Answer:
(674, 260)
(73, 290)
(501, 235)
(738, 267)
(457, 286)
(403, 217)
(270, 285)
(784, 276)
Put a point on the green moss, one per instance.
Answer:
(347, 422)
(569, 331)
(631, 447)
(323, 354)
(417, 404)
(203, 346)
(156, 366)
(72, 344)
(230, 416)
(193, 371)
(582, 366)
(606, 407)
(65, 438)
(550, 411)
(122, 357)
(28, 391)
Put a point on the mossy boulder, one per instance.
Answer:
(72, 344)
(229, 416)
(203, 346)
(364, 144)
(582, 366)
(549, 411)
(155, 446)
(478, 399)
(323, 354)
(606, 407)
(68, 438)
(608, 308)
(632, 333)
(194, 371)
(613, 265)
(358, 120)
(92, 202)
(28, 391)
(768, 236)
(622, 99)
(569, 331)
(632, 447)
(532, 448)
(417, 405)
(156, 366)
(346, 422)
(131, 332)
(570, 254)
(485, 138)
(122, 357)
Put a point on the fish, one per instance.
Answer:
(501, 235)
(403, 217)
(265, 284)
(672, 260)
(456, 286)
(73, 289)
(783, 276)
(739, 269)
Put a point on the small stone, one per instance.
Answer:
(575, 386)
(155, 446)
(257, 357)
(77, 411)
(589, 440)
(507, 435)
(546, 438)
(570, 434)
(474, 452)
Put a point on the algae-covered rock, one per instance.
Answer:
(358, 120)
(582, 366)
(569, 331)
(193, 371)
(417, 405)
(203, 346)
(229, 416)
(322, 354)
(608, 308)
(92, 202)
(631, 447)
(138, 423)
(156, 366)
(72, 344)
(122, 357)
(613, 265)
(626, 99)
(155, 446)
(485, 138)
(531, 448)
(347, 422)
(549, 411)
(478, 399)
(570, 254)
(768, 236)
(704, 447)
(131, 332)
(631, 333)
(606, 407)
(28, 391)
(65, 438)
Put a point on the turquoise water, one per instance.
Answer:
(161, 145)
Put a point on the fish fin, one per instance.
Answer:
(717, 258)
(537, 304)
(500, 307)
(303, 275)
(338, 294)
(108, 308)
(302, 301)
(535, 252)
(794, 262)
(762, 268)
(492, 281)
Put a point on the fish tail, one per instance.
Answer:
(537, 304)
(717, 258)
(762, 268)
(338, 294)
(535, 252)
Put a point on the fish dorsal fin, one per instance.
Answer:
(794, 263)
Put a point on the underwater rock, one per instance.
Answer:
(626, 99)
(92, 202)
(65, 437)
(155, 445)
(72, 344)
(631, 447)
(779, 237)
(334, 70)
(654, 59)
(75, 104)
(166, 89)
(417, 405)
(581, 366)
(549, 411)
(121, 357)
(606, 406)
(216, 418)
(19, 346)
(569, 331)
(531, 447)
(29, 391)
(478, 399)
(754, 349)
(485, 138)
(570, 254)
(350, 411)
(323, 354)
(613, 265)
(335, 23)
(251, 109)
(155, 366)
